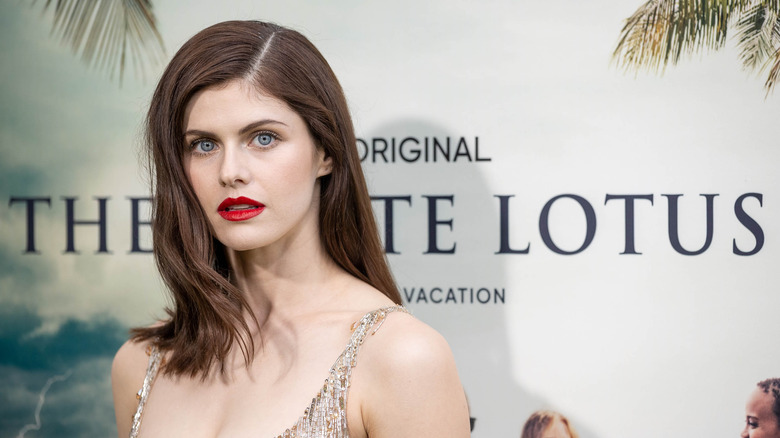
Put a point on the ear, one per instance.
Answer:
(326, 165)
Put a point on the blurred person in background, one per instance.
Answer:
(548, 424)
(762, 411)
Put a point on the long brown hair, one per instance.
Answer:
(207, 316)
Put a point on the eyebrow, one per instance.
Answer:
(246, 129)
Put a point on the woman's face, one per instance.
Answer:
(253, 166)
(760, 421)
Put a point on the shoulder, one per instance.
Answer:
(410, 382)
(403, 340)
(127, 360)
(127, 376)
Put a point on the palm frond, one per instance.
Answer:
(109, 34)
(642, 36)
(661, 32)
(756, 32)
(774, 72)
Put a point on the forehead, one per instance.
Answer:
(759, 403)
(235, 104)
(556, 429)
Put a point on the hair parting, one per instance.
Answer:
(259, 60)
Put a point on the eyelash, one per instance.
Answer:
(194, 144)
(752, 424)
(273, 135)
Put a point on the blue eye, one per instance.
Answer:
(204, 145)
(264, 139)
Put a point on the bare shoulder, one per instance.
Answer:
(403, 340)
(410, 382)
(127, 376)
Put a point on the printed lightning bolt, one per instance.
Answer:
(41, 400)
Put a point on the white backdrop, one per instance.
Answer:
(625, 345)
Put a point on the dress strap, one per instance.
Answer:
(155, 359)
(326, 416)
(368, 324)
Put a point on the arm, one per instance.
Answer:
(411, 385)
(127, 377)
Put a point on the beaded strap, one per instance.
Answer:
(155, 359)
(326, 417)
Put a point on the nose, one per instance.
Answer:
(234, 168)
(745, 433)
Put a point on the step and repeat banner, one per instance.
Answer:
(588, 241)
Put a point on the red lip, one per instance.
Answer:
(248, 209)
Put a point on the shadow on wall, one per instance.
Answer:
(439, 221)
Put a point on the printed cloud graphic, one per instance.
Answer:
(41, 401)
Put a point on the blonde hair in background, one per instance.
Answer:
(539, 421)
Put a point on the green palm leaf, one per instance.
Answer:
(109, 34)
(756, 35)
(774, 72)
(661, 32)
(773, 62)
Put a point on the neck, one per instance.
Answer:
(286, 281)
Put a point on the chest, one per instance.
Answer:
(265, 400)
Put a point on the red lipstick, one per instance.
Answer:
(239, 209)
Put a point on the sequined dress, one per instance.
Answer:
(326, 416)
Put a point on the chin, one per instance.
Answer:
(242, 242)
(241, 245)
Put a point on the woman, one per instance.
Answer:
(548, 424)
(762, 411)
(264, 234)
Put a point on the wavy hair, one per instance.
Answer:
(206, 318)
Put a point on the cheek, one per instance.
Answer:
(186, 164)
(296, 178)
(194, 177)
(296, 192)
